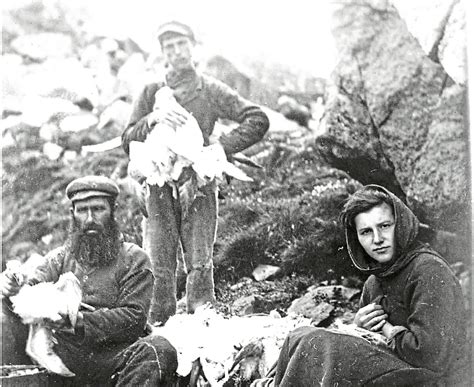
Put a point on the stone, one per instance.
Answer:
(247, 305)
(47, 239)
(52, 150)
(38, 111)
(242, 283)
(334, 292)
(309, 307)
(263, 272)
(7, 140)
(78, 122)
(43, 45)
(10, 122)
(59, 77)
(69, 155)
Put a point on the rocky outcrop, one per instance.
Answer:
(43, 45)
(395, 117)
(440, 28)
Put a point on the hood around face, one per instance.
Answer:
(406, 231)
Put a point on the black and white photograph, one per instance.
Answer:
(236, 193)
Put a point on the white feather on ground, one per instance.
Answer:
(36, 304)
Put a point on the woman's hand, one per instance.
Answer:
(388, 330)
(371, 317)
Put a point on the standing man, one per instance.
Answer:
(107, 345)
(207, 100)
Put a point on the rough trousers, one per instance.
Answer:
(164, 230)
(150, 361)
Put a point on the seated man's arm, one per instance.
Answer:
(46, 269)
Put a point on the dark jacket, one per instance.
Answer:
(208, 100)
(121, 293)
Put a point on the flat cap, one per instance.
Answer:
(175, 27)
(91, 186)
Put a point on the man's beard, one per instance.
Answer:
(99, 249)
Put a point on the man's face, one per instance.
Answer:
(376, 232)
(178, 51)
(92, 215)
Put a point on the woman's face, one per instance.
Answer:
(376, 232)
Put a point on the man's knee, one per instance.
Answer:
(301, 335)
(161, 350)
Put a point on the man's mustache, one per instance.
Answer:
(92, 227)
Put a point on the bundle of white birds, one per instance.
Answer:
(251, 348)
(47, 302)
(168, 149)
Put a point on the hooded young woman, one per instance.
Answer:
(411, 297)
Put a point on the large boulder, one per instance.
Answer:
(41, 46)
(65, 78)
(395, 117)
(440, 28)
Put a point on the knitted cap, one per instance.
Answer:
(91, 186)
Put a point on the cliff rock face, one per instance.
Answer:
(440, 28)
(395, 116)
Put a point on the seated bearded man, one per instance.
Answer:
(108, 344)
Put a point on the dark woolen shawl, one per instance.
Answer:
(407, 245)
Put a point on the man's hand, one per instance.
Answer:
(371, 317)
(172, 117)
(62, 323)
(9, 285)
